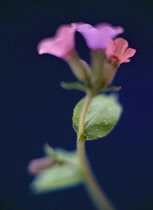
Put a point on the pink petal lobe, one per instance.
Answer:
(61, 44)
(124, 58)
(129, 52)
(121, 45)
(127, 60)
(110, 48)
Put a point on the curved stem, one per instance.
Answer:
(87, 102)
(99, 198)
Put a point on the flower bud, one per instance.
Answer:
(37, 165)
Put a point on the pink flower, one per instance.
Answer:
(98, 37)
(37, 165)
(61, 44)
(118, 50)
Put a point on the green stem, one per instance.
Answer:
(83, 115)
(97, 195)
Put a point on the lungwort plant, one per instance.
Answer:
(94, 116)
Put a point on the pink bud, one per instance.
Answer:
(37, 165)
(118, 50)
(61, 44)
(98, 37)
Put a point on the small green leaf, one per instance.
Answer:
(73, 85)
(111, 88)
(103, 114)
(62, 155)
(51, 153)
(59, 176)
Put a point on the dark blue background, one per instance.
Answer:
(35, 109)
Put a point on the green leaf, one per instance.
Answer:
(54, 155)
(73, 85)
(103, 114)
(59, 176)
(111, 88)
(61, 155)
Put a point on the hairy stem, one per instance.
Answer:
(97, 195)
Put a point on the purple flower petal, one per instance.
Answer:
(98, 37)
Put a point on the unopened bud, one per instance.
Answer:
(37, 165)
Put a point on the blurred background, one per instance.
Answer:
(35, 109)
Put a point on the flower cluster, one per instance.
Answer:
(106, 54)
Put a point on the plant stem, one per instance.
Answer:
(97, 195)
(83, 115)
